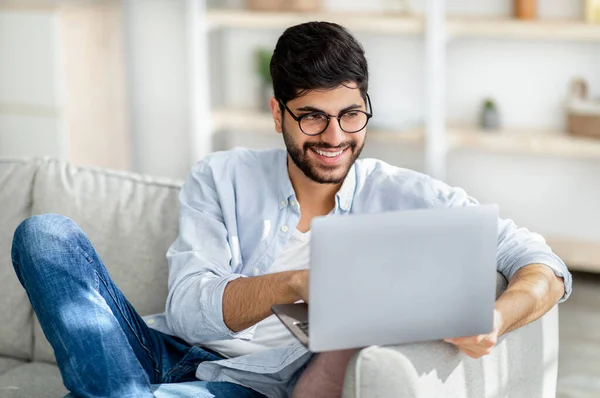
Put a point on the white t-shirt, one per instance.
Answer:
(270, 332)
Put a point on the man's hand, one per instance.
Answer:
(299, 284)
(478, 346)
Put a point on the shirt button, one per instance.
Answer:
(283, 203)
(150, 321)
(284, 228)
(256, 271)
(293, 203)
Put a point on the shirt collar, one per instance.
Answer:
(343, 197)
(286, 190)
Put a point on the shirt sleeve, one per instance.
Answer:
(517, 247)
(200, 264)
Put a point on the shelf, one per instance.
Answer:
(243, 120)
(43, 5)
(579, 255)
(252, 121)
(516, 29)
(23, 109)
(389, 23)
(524, 143)
(401, 24)
(514, 142)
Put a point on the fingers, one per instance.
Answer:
(475, 352)
(476, 346)
(470, 353)
(481, 340)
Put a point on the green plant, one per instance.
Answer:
(489, 104)
(263, 64)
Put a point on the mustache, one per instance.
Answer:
(324, 145)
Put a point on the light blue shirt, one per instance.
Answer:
(238, 211)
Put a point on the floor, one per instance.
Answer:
(579, 355)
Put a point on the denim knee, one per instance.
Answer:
(40, 235)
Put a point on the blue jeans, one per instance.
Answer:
(103, 348)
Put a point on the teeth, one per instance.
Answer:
(329, 154)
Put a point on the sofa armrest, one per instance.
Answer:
(524, 363)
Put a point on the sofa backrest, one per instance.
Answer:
(16, 180)
(130, 219)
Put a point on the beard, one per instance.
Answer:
(320, 173)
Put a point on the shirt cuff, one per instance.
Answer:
(556, 265)
(560, 270)
(211, 303)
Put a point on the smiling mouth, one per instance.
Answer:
(329, 154)
(330, 158)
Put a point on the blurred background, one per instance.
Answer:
(500, 97)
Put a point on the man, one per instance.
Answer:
(243, 246)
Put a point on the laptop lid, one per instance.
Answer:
(404, 276)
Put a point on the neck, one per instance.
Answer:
(312, 196)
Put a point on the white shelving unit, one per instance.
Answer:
(539, 143)
(436, 138)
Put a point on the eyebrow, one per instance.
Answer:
(313, 109)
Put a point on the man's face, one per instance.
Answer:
(325, 158)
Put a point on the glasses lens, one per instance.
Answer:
(313, 123)
(353, 121)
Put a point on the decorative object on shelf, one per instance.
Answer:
(583, 113)
(525, 9)
(592, 11)
(283, 5)
(263, 68)
(489, 118)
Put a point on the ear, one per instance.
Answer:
(277, 116)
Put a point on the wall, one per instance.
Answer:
(30, 93)
(62, 90)
(95, 90)
(158, 86)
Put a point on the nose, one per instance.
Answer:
(333, 134)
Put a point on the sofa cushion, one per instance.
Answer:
(39, 380)
(131, 220)
(16, 180)
(7, 364)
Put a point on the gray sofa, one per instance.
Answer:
(132, 220)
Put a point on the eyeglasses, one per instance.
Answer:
(315, 123)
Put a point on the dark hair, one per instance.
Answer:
(317, 55)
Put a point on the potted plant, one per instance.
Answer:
(263, 68)
(490, 116)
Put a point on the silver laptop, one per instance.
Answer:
(398, 277)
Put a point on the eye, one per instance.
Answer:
(314, 117)
(350, 115)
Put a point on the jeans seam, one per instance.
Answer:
(139, 339)
(85, 255)
(184, 364)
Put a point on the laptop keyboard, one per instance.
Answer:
(302, 326)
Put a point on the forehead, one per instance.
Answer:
(330, 101)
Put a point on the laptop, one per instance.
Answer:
(397, 277)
